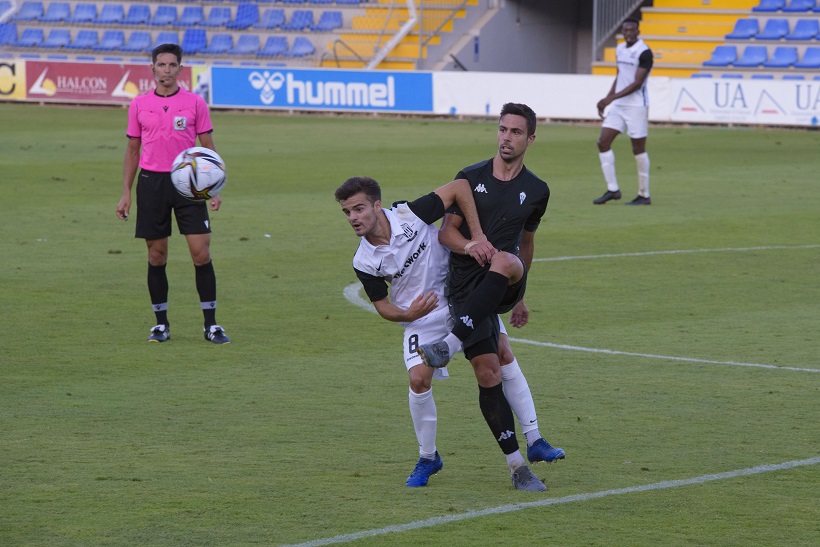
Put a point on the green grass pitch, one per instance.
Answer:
(638, 354)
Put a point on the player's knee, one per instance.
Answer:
(506, 264)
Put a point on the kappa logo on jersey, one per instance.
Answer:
(481, 189)
(522, 196)
(409, 233)
(467, 320)
(506, 435)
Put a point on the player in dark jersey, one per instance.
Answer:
(510, 201)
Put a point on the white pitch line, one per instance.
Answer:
(437, 521)
(351, 293)
(677, 252)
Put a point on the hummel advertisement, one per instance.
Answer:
(329, 90)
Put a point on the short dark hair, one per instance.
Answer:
(521, 110)
(354, 185)
(167, 48)
(631, 20)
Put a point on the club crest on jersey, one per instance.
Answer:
(522, 196)
(409, 233)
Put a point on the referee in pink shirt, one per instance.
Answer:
(161, 124)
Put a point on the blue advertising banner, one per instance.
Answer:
(353, 90)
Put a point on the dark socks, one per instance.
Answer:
(158, 291)
(499, 416)
(206, 287)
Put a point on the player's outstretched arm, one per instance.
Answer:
(421, 306)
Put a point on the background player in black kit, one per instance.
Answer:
(510, 201)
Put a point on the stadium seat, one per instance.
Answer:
(191, 15)
(31, 37)
(732, 76)
(247, 44)
(217, 17)
(274, 47)
(328, 21)
(138, 14)
(769, 5)
(744, 29)
(220, 43)
(700, 75)
(194, 40)
(722, 56)
(56, 12)
(299, 20)
(57, 38)
(810, 59)
(301, 47)
(805, 29)
(775, 29)
(793, 77)
(8, 33)
(348, 2)
(782, 57)
(293, 1)
(29, 11)
(110, 14)
(165, 37)
(138, 40)
(752, 56)
(799, 6)
(271, 18)
(246, 15)
(165, 15)
(762, 77)
(321, 1)
(111, 40)
(85, 39)
(83, 13)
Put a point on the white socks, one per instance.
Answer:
(425, 420)
(608, 168)
(514, 461)
(453, 343)
(518, 394)
(643, 174)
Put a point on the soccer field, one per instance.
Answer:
(672, 350)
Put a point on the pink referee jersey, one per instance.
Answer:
(166, 126)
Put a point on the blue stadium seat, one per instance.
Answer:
(752, 56)
(762, 77)
(110, 14)
(56, 12)
(775, 29)
(328, 21)
(793, 77)
(247, 44)
(274, 47)
(191, 15)
(271, 18)
(299, 20)
(722, 56)
(246, 15)
(217, 17)
(220, 43)
(83, 13)
(782, 57)
(744, 29)
(29, 11)
(811, 58)
(301, 47)
(5, 5)
(805, 29)
(138, 40)
(8, 33)
(194, 40)
(165, 37)
(293, 1)
(138, 14)
(31, 37)
(348, 2)
(700, 75)
(57, 38)
(165, 15)
(321, 1)
(85, 39)
(111, 40)
(733, 76)
(799, 6)
(769, 5)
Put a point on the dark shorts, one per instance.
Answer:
(484, 338)
(156, 198)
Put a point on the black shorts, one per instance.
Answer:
(156, 198)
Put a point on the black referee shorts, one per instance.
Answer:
(156, 198)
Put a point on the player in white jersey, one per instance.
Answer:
(628, 112)
(399, 247)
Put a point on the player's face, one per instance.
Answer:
(166, 69)
(361, 214)
(630, 32)
(512, 137)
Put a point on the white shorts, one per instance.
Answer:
(632, 120)
(425, 330)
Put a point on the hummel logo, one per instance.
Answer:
(506, 435)
(522, 196)
(467, 321)
(481, 189)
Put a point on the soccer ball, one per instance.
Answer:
(198, 173)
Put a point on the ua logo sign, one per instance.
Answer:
(481, 189)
